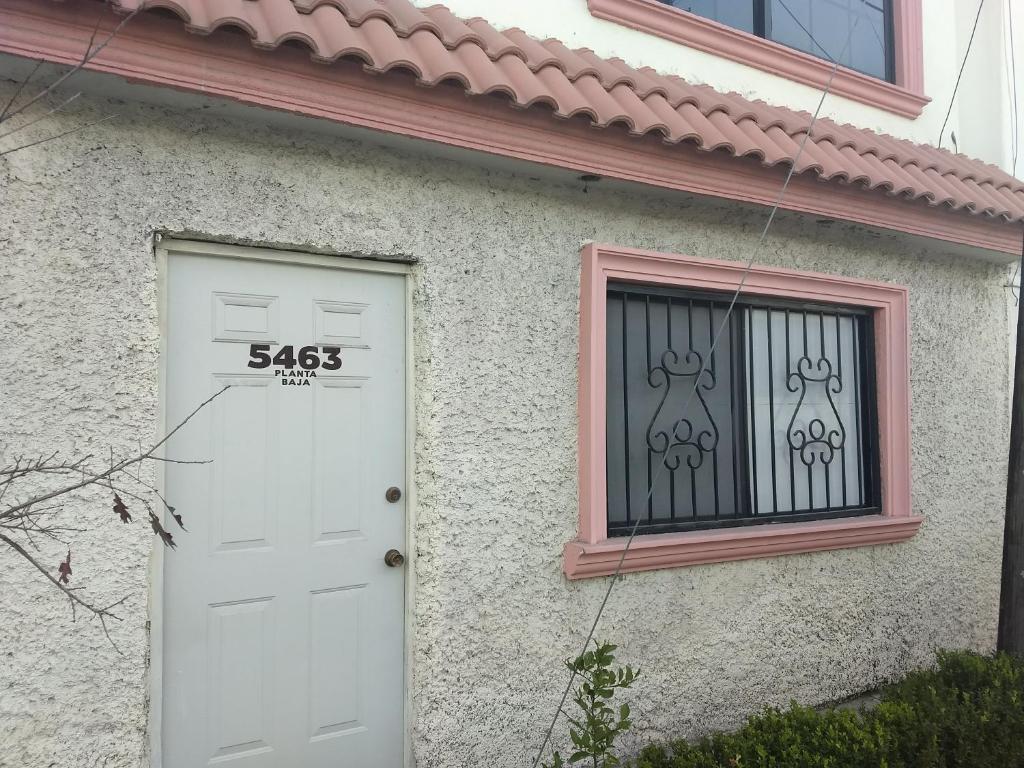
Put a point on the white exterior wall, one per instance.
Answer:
(495, 319)
(1014, 42)
(980, 117)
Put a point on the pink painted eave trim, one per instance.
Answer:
(905, 98)
(673, 550)
(593, 550)
(160, 52)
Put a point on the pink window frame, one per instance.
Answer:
(593, 553)
(905, 97)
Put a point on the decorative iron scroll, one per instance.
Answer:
(816, 442)
(670, 444)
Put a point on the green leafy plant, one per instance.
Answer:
(594, 731)
(966, 713)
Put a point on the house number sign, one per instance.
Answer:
(295, 368)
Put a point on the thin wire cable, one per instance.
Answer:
(807, 31)
(952, 99)
(718, 335)
(878, 37)
(1015, 123)
(1014, 133)
(813, 39)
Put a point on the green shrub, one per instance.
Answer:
(967, 713)
(594, 729)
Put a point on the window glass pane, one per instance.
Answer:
(738, 14)
(804, 415)
(822, 27)
(669, 426)
(772, 425)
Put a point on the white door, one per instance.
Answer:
(282, 623)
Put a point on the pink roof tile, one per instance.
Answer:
(436, 46)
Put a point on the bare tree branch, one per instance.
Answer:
(35, 514)
(92, 479)
(43, 116)
(60, 135)
(17, 91)
(180, 461)
(31, 517)
(91, 53)
(49, 464)
(93, 609)
(92, 50)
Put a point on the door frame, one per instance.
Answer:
(163, 247)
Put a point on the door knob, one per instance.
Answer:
(392, 494)
(393, 558)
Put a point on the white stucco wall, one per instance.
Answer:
(495, 319)
(980, 116)
(1013, 80)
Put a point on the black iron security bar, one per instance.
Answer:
(781, 426)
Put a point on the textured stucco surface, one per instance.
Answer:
(495, 333)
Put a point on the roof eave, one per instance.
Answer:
(159, 51)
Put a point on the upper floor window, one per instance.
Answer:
(818, 27)
(878, 42)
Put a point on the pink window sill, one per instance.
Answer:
(672, 550)
(905, 97)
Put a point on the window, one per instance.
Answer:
(818, 27)
(797, 434)
(883, 65)
(775, 424)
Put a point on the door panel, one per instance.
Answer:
(241, 669)
(338, 487)
(334, 660)
(283, 627)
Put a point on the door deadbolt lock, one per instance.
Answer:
(393, 558)
(392, 494)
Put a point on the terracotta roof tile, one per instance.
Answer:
(494, 44)
(674, 123)
(436, 46)
(532, 50)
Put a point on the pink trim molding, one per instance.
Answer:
(159, 51)
(592, 553)
(905, 97)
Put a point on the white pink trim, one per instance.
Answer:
(905, 97)
(908, 31)
(592, 553)
(675, 550)
(159, 51)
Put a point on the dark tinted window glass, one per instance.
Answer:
(738, 14)
(818, 27)
(821, 28)
(670, 412)
(775, 425)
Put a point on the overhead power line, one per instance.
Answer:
(718, 335)
(956, 87)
